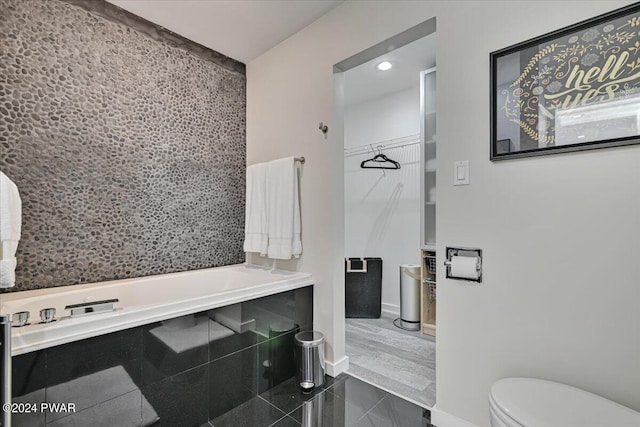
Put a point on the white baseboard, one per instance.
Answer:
(390, 310)
(444, 419)
(336, 368)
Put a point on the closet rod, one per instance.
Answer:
(388, 144)
(362, 151)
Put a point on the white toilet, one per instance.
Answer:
(529, 402)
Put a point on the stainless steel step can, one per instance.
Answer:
(310, 359)
(410, 296)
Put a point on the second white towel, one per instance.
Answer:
(283, 209)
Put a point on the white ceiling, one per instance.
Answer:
(239, 29)
(365, 82)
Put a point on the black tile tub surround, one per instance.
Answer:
(178, 372)
(222, 346)
(241, 376)
(271, 315)
(28, 373)
(122, 411)
(232, 381)
(94, 370)
(128, 150)
(174, 346)
(90, 373)
(276, 361)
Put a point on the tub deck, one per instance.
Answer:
(141, 301)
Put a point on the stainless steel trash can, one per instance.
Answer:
(310, 359)
(410, 296)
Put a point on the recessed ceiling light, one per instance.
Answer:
(384, 66)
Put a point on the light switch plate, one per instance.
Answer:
(461, 172)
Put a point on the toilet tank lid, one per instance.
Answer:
(540, 403)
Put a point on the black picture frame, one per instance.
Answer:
(532, 137)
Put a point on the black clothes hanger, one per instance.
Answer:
(380, 161)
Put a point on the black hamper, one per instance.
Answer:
(363, 287)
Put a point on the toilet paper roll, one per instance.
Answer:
(464, 267)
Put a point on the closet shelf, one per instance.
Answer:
(389, 144)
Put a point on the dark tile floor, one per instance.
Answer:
(342, 402)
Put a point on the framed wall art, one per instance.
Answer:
(574, 89)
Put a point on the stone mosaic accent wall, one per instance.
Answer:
(129, 151)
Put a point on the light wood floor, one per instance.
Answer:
(399, 361)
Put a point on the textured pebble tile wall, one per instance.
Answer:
(129, 152)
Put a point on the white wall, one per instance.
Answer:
(390, 116)
(382, 210)
(561, 234)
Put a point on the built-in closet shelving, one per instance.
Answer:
(428, 294)
(428, 200)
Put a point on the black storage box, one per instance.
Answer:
(363, 288)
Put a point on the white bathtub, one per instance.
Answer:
(141, 301)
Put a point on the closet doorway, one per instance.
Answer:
(384, 185)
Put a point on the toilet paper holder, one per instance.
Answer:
(464, 252)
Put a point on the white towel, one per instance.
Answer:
(10, 228)
(256, 223)
(284, 209)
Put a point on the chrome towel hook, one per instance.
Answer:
(323, 128)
